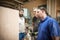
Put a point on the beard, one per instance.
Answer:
(21, 15)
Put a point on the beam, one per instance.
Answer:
(11, 4)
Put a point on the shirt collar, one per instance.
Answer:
(45, 19)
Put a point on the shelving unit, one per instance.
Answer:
(14, 4)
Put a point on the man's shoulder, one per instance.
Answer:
(51, 19)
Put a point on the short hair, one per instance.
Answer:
(43, 7)
(34, 9)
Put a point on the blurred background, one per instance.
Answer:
(9, 16)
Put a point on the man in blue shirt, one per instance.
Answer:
(48, 28)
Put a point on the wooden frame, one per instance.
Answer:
(58, 16)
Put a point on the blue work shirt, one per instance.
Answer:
(47, 29)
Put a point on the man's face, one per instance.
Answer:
(34, 12)
(21, 13)
(38, 13)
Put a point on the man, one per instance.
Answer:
(48, 28)
(21, 25)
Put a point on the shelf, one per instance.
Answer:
(10, 4)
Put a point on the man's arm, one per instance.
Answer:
(54, 30)
(55, 38)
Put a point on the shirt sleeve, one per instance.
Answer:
(54, 28)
